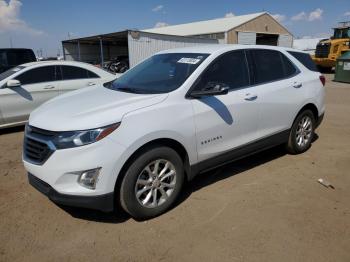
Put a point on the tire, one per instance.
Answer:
(301, 133)
(137, 189)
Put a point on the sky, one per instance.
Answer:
(43, 24)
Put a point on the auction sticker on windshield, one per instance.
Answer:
(187, 60)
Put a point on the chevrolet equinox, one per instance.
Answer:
(134, 142)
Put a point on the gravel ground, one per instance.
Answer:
(268, 207)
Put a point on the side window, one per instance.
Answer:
(288, 66)
(37, 75)
(92, 74)
(73, 72)
(305, 59)
(267, 66)
(228, 70)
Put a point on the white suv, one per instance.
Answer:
(177, 114)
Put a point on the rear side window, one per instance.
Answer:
(73, 72)
(20, 57)
(13, 57)
(37, 75)
(305, 59)
(271, 65)
(288, 66)
(230, 70)
(92, 74)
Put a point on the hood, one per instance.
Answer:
(89, 108)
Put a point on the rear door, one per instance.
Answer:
(279, 88)
(225, 122)
(76, 77)
(38, 85)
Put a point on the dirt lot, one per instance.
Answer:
(265, 208)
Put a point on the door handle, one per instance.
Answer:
(91, 84)
(297, 85)
(250, 97)
(49, 87)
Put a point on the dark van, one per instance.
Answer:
(11, 57)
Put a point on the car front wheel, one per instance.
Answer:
(152, 183)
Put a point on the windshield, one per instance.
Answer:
(10, 72)
(342, 33)
(159, 74)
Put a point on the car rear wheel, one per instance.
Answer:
(152, 183)
(302, 133)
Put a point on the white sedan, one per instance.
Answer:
(25, 87)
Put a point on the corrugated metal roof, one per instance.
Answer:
(205, 27)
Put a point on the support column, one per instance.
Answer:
(101, 52)
(79, 56)
(64, 52)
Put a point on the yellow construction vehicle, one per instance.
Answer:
(328, 50)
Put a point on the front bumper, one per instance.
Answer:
(103, 203)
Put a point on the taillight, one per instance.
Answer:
(323, 79)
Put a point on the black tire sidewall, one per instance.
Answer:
(292, 143)
(127, 191)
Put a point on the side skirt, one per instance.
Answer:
(239, 153)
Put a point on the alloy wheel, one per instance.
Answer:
(155, 183)
(304, 131)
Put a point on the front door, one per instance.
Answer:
(38, 85)
(227, 121)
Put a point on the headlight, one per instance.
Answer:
(71, 139)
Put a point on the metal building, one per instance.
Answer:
(259, 28)
(136, 45)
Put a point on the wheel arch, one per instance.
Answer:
(169, 142)
(310, 106)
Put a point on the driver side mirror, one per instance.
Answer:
(13, 83)
(211, 89)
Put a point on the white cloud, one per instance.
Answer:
(280, 18)
(316, 14)
(230, 14)
(318, 35)
(160, 24)
(299, 17)
(157, 8)
(347, 13)
(10, 21)
(323, 35)
(312, 16)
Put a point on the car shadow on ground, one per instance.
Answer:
(230, 170)
(200, 181)
(116, 217)
(11, 130)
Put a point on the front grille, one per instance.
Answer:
(37, 147)
(322, 50)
